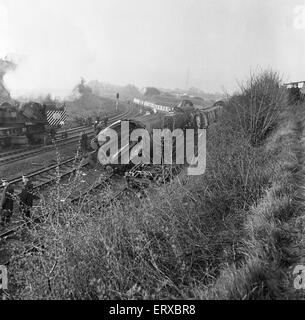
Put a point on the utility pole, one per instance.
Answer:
(117, 101)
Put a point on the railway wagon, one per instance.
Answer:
(23, 124)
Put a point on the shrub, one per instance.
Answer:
(257, 108)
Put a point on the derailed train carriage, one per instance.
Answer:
(24, 123)
(183, 116)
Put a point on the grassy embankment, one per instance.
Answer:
(230, 234)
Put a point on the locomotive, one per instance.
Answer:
(24, 123)
(183, 116)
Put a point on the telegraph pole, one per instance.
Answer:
(117, 101)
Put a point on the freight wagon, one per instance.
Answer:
(23, 124)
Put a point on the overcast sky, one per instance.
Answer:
(209, 44)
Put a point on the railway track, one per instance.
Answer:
(77, 129)
(68, 167)
(43, 178)
(75, 200)
(13, 156)
(58, 135)
(16, 156)
(46, 176)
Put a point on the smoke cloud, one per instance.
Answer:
(51, 50)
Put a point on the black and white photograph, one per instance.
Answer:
(152, 151)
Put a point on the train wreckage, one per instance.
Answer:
(121, 153)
